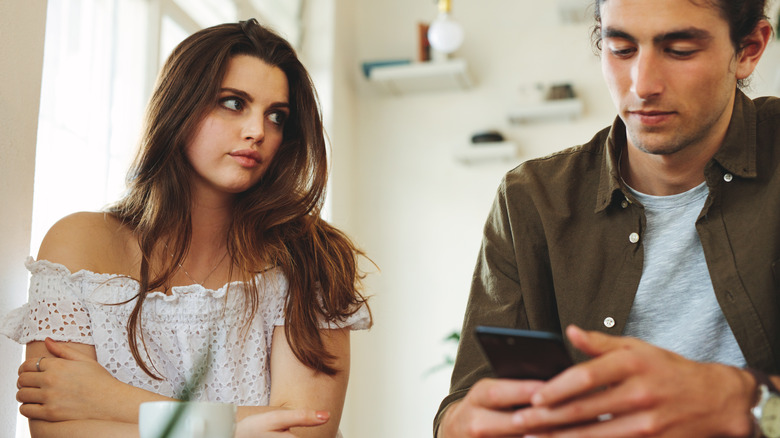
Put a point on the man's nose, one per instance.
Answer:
(647, 75)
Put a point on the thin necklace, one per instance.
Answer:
(190, 276)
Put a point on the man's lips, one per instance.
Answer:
(247, 157)
(652, 117)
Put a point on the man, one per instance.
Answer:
(655, 247)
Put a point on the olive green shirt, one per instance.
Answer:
(563, 243)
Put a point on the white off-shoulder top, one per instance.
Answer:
(179, 329)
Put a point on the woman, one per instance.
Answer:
(189, 278)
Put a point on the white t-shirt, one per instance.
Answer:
(675, 305)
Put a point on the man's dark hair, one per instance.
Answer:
(742, 15)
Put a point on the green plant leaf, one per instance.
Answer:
(199, 374)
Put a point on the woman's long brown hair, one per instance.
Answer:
(277, 222)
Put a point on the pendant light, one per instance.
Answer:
(445, 34)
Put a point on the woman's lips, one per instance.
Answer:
(246, 157)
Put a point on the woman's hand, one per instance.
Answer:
(278, 423)
(64, 382)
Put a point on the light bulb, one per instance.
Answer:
(445, 34)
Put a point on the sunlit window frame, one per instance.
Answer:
(90, 174)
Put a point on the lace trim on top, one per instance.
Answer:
(179, 329)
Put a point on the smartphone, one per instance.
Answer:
(523, 354)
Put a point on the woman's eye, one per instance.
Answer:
(232, 103)
(278, 118)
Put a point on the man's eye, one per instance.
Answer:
(622, 53)
(681, 53)
(232, 103)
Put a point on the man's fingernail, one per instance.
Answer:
(322, 415)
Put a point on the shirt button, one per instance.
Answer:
(728, 177)
(624, 204)
(609, 322)
(633, 237)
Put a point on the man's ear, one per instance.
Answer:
(753, 47)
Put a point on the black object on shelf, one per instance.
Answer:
(487, 137)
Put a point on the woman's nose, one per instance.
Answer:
(252, 129)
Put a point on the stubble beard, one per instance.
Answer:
(664, 141)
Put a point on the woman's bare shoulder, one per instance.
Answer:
(93, 241)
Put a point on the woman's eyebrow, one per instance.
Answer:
(240, 93)
(246, 96)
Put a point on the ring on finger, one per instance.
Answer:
(38, 364)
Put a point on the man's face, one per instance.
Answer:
(670, 68)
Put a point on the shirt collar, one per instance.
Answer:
(736, 155)
(609, 179)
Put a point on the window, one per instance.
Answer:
(101, 59)
(92, 100)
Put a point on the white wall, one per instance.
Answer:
(22, 25)
(416, 211)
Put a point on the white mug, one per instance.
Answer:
(197, 419)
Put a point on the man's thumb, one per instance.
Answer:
(592, 343)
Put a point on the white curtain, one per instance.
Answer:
(92, 99)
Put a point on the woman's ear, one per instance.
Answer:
(753, 47)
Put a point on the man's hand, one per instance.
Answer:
(629, 389)
(488, 409)
(641, 390)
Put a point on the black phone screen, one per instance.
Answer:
(523, 354)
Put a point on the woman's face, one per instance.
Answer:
(237, 140)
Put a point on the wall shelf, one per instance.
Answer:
(551, 109)
(474, 153)
(421, 76)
